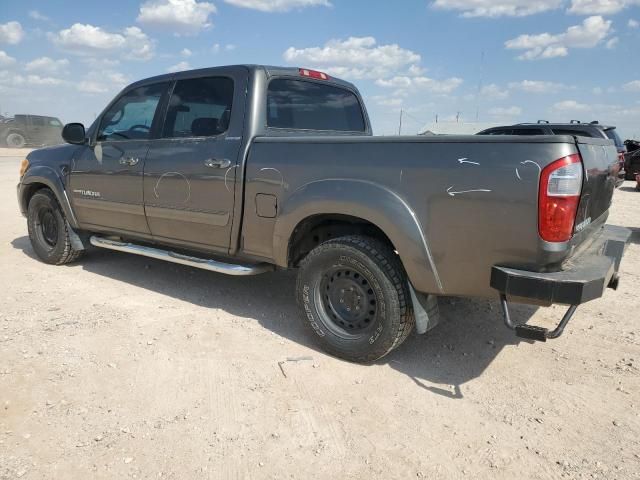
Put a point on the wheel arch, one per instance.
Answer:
(39, 177)
(364, 206)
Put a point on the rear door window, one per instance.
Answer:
(527, 131)
(499, 132)
(613, 135)
(567, 131)
(199, 107)
(303, 105)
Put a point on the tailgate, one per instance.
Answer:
(600, 160)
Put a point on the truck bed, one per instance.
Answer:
(474, 199)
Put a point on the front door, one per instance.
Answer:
(106, 181)
(190, 172)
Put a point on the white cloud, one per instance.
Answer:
(36, 15)
(354, 58)
(47, 65)
(632, 86)
(39, 80)
(571, 106)
(600, 7)
(493, 91)
(505, 111)
(633, 23)
(102, 81)
(178, 67)
(277, 5)
(185, 52)
(85, 39)
(612, 42)
(7, 78)
(497, 8)
(385, 101)
(180, 16)
(590, 33)
(537, 86)
(88, 86)
(6, 60)
(11, 33)
(421, 83)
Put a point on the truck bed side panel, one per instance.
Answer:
(475, 198)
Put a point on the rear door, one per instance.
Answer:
(35, 130)
(106, 181)
(190, 172)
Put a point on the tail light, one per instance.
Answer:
(558, 198)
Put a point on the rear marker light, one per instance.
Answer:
(558, 198)
(313, 74)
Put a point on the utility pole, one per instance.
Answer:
(400, 125)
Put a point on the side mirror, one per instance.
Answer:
(74, 133)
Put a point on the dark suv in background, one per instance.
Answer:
(30, 130)
(574, 127)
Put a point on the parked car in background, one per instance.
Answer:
(30, 130)
(632, 159)
(574, 127)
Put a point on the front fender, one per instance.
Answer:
(371, 202)
(45, 175)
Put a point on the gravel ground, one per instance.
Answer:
(125, 367)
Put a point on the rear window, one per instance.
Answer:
(613, 135)
(302, 105)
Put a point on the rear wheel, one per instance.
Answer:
(15, 140)
(353, 294)
(48, 230)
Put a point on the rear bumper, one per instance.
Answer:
(584, 277)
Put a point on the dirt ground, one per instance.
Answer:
(125, 367)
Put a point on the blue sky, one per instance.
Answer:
(499, 61)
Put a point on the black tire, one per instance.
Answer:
(15, 140)
(345, 273)
(48, 230)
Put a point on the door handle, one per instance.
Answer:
(129, 161)
(215, 163)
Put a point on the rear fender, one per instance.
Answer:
(371, 202)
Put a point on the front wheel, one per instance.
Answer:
(48, 230)
(353, 295)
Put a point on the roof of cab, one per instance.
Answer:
(271, 71)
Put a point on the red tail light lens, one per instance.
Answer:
(558, 198)
(313, 74)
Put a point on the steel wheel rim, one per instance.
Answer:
(48, 227)
(349, 302)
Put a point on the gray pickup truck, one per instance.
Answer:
(246, 169)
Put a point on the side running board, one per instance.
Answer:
(174, 257)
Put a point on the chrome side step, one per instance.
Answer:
(169, 256)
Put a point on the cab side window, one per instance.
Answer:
(199, 107)
(131, 116)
